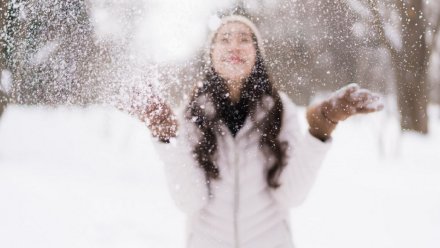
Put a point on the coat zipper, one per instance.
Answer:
(236, 199)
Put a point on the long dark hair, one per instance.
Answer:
(208, 109)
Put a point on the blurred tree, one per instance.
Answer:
(4, 15)
(410, 61)
(3, 22)
(54, 53)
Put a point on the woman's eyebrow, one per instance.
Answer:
(225, 34)
(243, 33)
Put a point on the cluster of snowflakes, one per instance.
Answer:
(102, 51)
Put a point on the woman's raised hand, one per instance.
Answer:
(347, 101)
(350, 100)
(160, 119)
(151, 109)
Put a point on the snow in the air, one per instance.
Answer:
(89, 177)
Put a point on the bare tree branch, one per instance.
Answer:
(3, 15)
(435, 32)
(379, 26)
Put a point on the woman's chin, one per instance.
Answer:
(237, 78)
(235, 75)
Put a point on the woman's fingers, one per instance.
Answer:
(158, 112)
(365, 101)
(346, 91)
(161, 120)
(351, 100)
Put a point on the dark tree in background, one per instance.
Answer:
(411, 66)
(5, 16)
(410, 60)
(53, 53)
(3, 44)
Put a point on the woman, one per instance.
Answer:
(239, 162)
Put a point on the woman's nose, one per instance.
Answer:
(234, 45)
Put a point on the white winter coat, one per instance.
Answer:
(243, 211)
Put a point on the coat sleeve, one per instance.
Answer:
(186, 181)
(305, 154)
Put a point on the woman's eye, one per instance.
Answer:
(246, 38)
(224, 39)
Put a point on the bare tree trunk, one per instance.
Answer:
(3, 16)
(411, 66)
(55, 57)
(3, 57)
(410, 63)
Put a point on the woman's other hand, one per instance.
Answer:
(347, 101)
(160, 119)
(350, 100)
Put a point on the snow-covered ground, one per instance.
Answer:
(89, 177)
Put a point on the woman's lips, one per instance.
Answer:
(234, 59)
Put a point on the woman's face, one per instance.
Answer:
(233, 51)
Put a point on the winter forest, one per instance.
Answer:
(77, 170)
